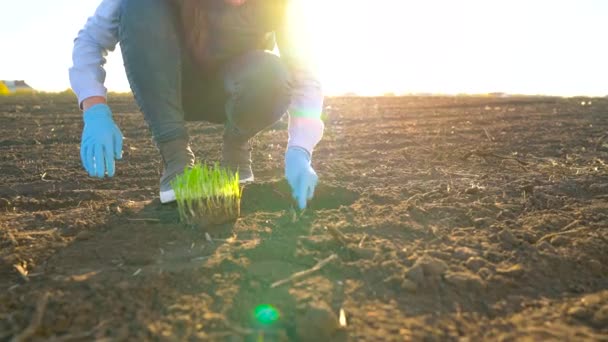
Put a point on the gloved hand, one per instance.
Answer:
(101, 141)
(300, 175)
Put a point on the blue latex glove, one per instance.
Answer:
(101, 142)
(300, 175)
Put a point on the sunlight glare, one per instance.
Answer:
(438, 46)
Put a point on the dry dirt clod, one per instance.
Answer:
(464, 253)
(476, 263)
(465, 280)
(426, 267)
(579, 312)
(528, 237)
(432, 267)
(84, 235)
(416, 274)
(316, 322)
(398, 282)
(484, 273)
(600, 318)
(592, 300)
(472, 190)
(507, 237)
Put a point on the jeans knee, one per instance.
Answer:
(260, 91)
(269, 85)
(257, 71)
(279, 90)
(274, 76)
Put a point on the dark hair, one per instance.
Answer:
(192, 19)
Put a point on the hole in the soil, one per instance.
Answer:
(276, 196)
(332, 197)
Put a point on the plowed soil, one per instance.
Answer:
(450, 218)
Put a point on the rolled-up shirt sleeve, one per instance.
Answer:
(91, 46)
(305, 124)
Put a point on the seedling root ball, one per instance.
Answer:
(207, 195)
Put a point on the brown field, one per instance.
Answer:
(451, 218)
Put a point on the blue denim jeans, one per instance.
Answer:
(247, 92)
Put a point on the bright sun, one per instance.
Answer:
(363, 47)
(444, 46)
(340, 39)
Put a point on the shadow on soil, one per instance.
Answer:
(276, 196)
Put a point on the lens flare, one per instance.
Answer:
(266, 314)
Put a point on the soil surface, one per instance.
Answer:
(436, 218)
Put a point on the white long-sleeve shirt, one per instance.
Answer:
(100, 35)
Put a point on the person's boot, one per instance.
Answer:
(177, 156)
(236, 156)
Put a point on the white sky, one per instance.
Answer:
(554, 47)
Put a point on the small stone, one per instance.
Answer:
(400, 283)
(493, 255)
(4, 203)
(514, 271)
(507, 237)
(464, 253)
(476, 263)
(465, 280)
(431, 267)
(472, 190)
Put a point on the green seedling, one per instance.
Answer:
(207, 195)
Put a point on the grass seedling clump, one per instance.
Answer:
(207, 195)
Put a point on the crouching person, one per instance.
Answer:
(199, 60)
